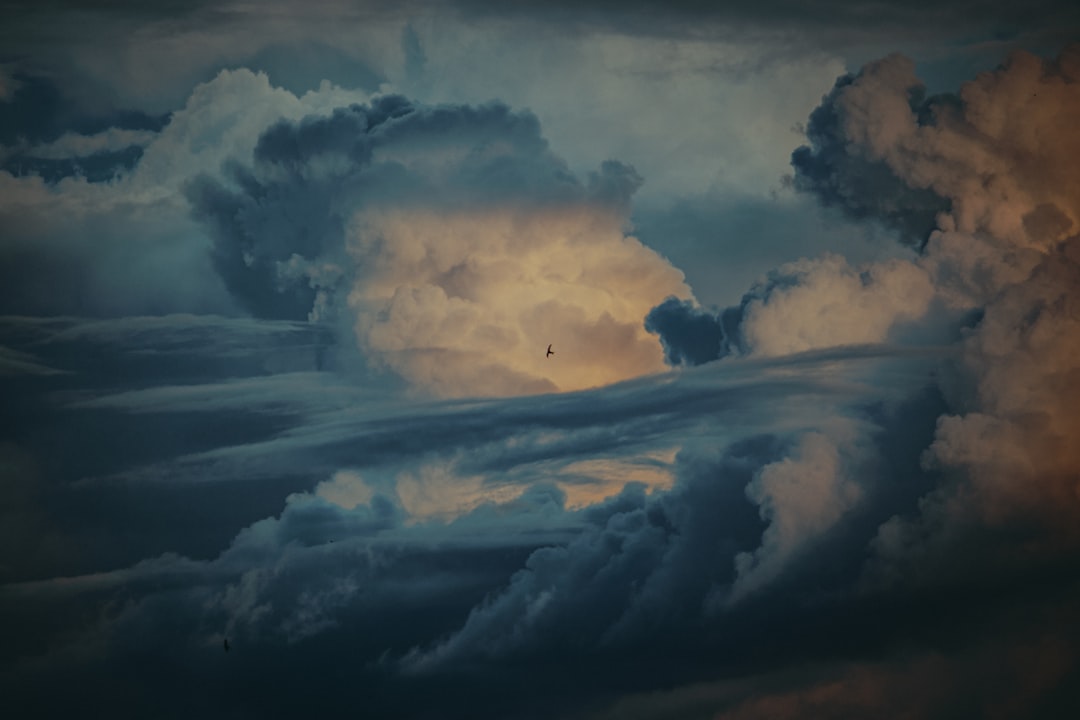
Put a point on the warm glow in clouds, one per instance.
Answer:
(596, 480)
(466, 303)
(436, 492)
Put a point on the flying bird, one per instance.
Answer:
(550, 352)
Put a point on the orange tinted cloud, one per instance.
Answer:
(466, 303)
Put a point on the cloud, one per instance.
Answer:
(667, 563)
(844, 175)
(458, 241)
(800, 497)
(327, 428)
(1007, 247)
(690, 335)
(941, 145)
(800, 306)
(468, 304)
(830, 516)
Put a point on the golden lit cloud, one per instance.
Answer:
(466, 303)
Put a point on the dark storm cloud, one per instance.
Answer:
(54, 363)
(661, 565)
(316, 586)
(835, 19)
(842, 534)
(640, 564)
(36, 111)
(805, 305)
(618, 597)
(841, 176)
(150, 349)
(308, 177)
(689, 334)
(327, 612)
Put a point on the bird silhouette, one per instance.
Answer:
(550, 352)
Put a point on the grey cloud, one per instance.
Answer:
(690, 335)
(308, 178)
(155, 348)
(652, 566)
(318, 593)
(840, 175)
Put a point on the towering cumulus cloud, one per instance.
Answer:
(454, 243)
(1002, 154)
(994, 168)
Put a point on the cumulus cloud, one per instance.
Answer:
(458, 241)
(821, 303)
(977, 181)
(128, 246)
(690, 335)
(843, 175)
(1007, 247)
(995, 152)
(800, 306)
(799, 497)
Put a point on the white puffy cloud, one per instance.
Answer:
(821, 303)
(467, 303)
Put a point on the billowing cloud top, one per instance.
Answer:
(461, 244)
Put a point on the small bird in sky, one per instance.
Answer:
(550, 352)
(226, 644)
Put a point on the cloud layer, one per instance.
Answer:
(858, 490)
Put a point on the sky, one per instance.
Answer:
(280, 434)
